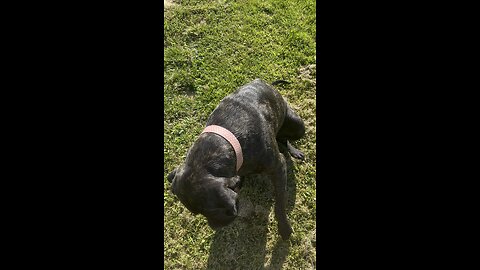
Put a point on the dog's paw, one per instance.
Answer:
(297, 154)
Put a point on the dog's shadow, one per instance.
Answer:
(242, 244)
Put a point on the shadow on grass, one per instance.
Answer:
(242, 245)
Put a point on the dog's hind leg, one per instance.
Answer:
(292, 129)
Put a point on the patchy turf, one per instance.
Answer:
(211, 48)
(168, 4)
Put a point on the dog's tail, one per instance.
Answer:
(280, 82)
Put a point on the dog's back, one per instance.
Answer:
(254, 113)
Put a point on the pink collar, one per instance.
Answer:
(227, 135)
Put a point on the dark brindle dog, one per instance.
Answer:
(261, 120)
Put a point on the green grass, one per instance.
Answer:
(211, 48)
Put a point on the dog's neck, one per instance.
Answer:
(213, 153)
(227, 135)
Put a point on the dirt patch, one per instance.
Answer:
(168, 3)
(308, 73)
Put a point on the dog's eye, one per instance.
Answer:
(234, 187)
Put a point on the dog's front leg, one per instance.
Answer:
(279, 180)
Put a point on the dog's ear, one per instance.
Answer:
(172, 175)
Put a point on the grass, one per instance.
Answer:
(211, 48)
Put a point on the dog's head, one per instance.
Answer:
(202, 193)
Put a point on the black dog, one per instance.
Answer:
(261, 120)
